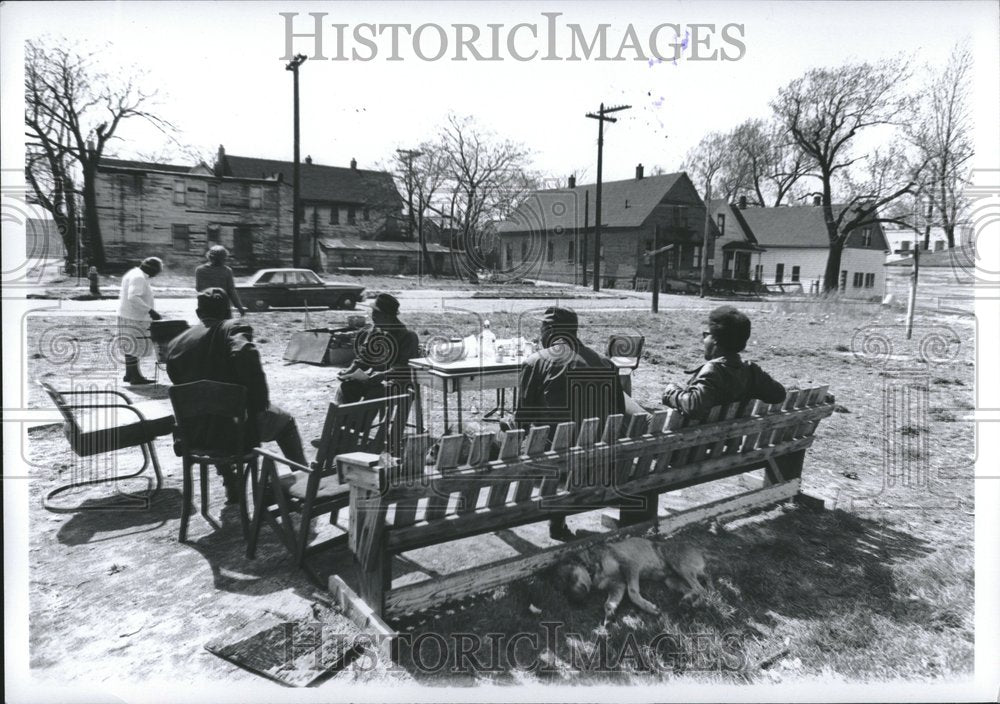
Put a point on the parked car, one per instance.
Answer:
(287, 288)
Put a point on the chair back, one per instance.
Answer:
(211, 418)
(374, 426)
(72, 426)
(627, 348)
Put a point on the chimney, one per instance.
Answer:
(220, 162)
(817, 200)
(743, 202)
(572, 181)
(638, 172)
(309, 158)
(354, 165)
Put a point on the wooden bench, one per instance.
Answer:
(398, 504)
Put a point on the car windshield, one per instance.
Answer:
(264, 278)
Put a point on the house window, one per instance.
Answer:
(866, 237)
(214, 234)
(696, 256)
(843, 280)
(351, 215)
(684, 217)
(180, 236)
(649, 245)
(334, 215)
(677, 217)
(302, 213)
(180, 193)
(524, 251)
(367, 214)
(859, 279)
(552, 252)
(570, 251)
(905, 245)
(212, 195)
(939, 246)
(722, 223)
(510, 255)
(869, 280)
(795, 274)
(779, 273)
(602, 252)
(727, 262)
(758, 272)
(256, 197)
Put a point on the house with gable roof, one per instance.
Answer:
(550, 236)
(788, 245)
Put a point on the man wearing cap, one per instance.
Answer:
(383, 351)
(222, 349)
(724, 377)
(215, 274)
(546, 385)
(135, 311)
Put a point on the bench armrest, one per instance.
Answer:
(280, 459)
(126, 406)
(361, 469)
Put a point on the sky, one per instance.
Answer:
(220, 77)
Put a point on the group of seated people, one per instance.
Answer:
(222, 349)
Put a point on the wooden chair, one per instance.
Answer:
(367, 426)
(96, 428)
(626, 352)
(211, 431)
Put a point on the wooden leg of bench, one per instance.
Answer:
(646, 512)
(374, 583)
(785, 467)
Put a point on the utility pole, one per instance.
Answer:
(655, 254)
(704, 241)
(408, 156)
(601, 117)
(911, 304)
(586, 235)
(293, 66)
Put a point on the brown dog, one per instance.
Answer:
(619, 567)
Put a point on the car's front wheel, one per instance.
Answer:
(260, 304)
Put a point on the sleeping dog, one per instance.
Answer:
(619, 567)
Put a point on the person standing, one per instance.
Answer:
(216, 274)
(95, 282)
(135, 311)
(383, 352)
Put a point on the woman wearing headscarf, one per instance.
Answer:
(216, 274)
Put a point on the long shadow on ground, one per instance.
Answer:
(816, 566)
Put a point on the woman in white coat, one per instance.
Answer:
(135, 311)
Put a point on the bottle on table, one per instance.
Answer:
(487, 342)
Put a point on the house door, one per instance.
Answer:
(243, 244)
(741, 270)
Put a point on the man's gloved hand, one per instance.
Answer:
(153, 315)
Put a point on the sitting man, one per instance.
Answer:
(724, 377)
(222, 349)
(383, 351)
(545, 393)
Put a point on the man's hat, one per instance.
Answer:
(214, 303)
(729, 327)
(387, 304)
(561, 318)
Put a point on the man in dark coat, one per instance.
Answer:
(222, 349)
(724, 377)
(566, 381)
(383, 351)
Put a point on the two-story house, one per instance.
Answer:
(551, 234)
(177, 212)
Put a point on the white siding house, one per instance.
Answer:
(790, 245)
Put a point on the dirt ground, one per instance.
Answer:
(880, 587)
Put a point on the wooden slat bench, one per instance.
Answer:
(399, 504)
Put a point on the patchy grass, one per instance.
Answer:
(880, 588)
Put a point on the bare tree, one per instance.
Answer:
(824, 112)
(763, 162)
(488, 178)
(707, 162)
(72, 111)
(941, 138)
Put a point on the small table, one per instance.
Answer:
(454, 377)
